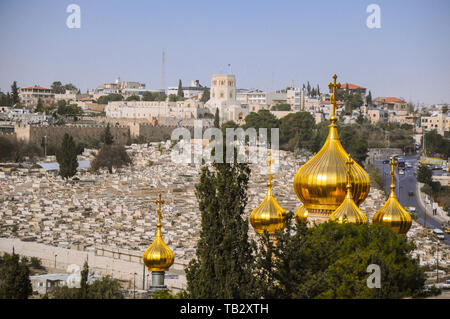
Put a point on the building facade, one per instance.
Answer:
(29, 96)
(223, 98)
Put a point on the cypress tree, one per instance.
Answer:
(14, 278)
(83, 292)
(67, 157)
(205, 96)
(14, 93)
(107, 137)
(369, 98)
(217, 119)
(224, 263)
(180, 93)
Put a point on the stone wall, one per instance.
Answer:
(119, 264)
(80, 133)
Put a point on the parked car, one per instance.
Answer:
(401, 172)
(439, 233)
(386, 161)
(409, 165)
(446, 284)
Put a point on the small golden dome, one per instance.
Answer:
(301, 215)
(269, 215)
(320, 184)
(158, 257)
(348, 211)
(392, 214)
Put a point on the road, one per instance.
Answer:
(406, 183)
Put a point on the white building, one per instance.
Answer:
(296, 98)
(223, 97)
(265, 99)
(195, 91)
(154, 109)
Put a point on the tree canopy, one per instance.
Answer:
(331, 260)
(66, 156)
(14, 277)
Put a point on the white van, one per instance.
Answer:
(439, 233)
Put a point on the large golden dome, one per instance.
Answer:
(158, 257)
(320, 184)
(348, 211)
(392, 214)
(269, 215)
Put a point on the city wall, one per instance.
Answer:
(87, 133)
(119, 264)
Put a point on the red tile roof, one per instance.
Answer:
(351, 86)
(388, 100)
(36, 87)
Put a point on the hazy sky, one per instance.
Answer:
(268, 44)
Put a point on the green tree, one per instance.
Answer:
(83, 292)
(110, 156)
(70, 87)
(354, 142)
(40, 106)
(217, 119)
(106, 136)
(424, 175)
(173, 98)
(57, 87)
(105, 288)
(281, 107)
(14, 278)
(436, 144)
(205, 96)
(369, 98)
(223, 266)
(14, 93)
(297, 131)
(331, 260)
(66, 156)
(133, 98)
(180, 92)
(262, 119)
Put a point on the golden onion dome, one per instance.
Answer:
(348, 211)
(269, 215)
(320, 184)
(301, 215)
(158, 257)
(392, 214)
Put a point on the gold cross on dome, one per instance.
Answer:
(270, 161)
(393, 163)
(159, 201)
(333, 86)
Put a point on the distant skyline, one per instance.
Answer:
(269, 44)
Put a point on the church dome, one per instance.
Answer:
(269, 215)
(392, 214)
(348, 211)
(158, 257)
(301, 215)
(320, 184)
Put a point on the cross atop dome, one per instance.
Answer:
(333, 86)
